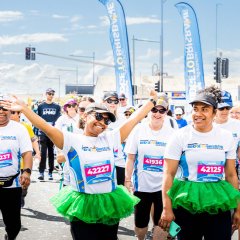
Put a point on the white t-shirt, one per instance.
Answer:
(119, 154)
(91, 161)
(202, 156)
(232, 125)
(65, 123)
(170, 122)
(149, 146)
(14, 141)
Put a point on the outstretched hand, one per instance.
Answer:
(153, 94)
(13, 104)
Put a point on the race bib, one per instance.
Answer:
(98, 172)
(210, 171)
(6, 159)
(153, 163)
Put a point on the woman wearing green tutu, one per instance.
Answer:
(93, 202)
(201, 197)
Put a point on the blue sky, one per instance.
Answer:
(64, 27)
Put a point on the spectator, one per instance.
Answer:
(178, 112)
(50, 112)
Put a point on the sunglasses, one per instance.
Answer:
(82, 109)
(155, 110)
(14, 112)
(50, 94)
(121, 99)
(178, 114)
(71, 105)
(112, 101)
(2, 108)
(100, 117)
(128, 114)
(223, 108)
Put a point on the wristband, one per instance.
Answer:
(153, 101)
(127, 181)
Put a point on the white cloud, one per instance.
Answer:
(32, 38)
(151, 53)
(10, 16)
(56, 16)
(11, 53)
(132, 20)
(141, 20)
(75, 19)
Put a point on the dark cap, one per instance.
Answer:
(50, 90)
(204, 98)
(226, 100)
(100, 108)
(109, 95)
(122, 96)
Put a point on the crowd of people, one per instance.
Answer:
(119, 159)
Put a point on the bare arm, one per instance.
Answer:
(231, 177)
(170, 169)
(27, 163)
(129, 170)
(53, 133)
(136, 117)
(36, 148)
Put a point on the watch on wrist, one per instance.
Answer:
(153, 101)
(28, 170)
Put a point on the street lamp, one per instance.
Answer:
(93, 63)
(71, 70)
(57, 77)
(161, 47)
(217, 5)
(133, 53)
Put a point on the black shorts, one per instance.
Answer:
(210, 226)
(143, 208)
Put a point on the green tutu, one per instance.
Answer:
(106, 208)
(198, 197)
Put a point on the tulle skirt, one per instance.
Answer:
(106, 208)
(198, 197)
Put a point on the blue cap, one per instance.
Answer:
(226, 100)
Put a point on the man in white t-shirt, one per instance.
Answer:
(15, 143)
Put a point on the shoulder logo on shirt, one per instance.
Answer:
(8, 137)
(95, 149)
(49, 111)
(204, 146)
(153, 142)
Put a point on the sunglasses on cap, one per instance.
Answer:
(82, 109)
(161, 111)
(112, 101)
(100, 117)
(50, 94)
(2, 108)
(71, 105)
(223, 108)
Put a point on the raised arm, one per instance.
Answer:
(53, 133)
(137, 116)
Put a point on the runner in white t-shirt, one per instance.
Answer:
(15, 144)
(199, 199)
(94, 203)
(145, 148)
(68, 122)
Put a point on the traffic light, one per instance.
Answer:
(27, 53)
(157, 86)
(217, 70)
(225, 67)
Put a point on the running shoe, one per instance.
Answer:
(50, 177)
(41, 176)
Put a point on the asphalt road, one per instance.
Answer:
(40, 221)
